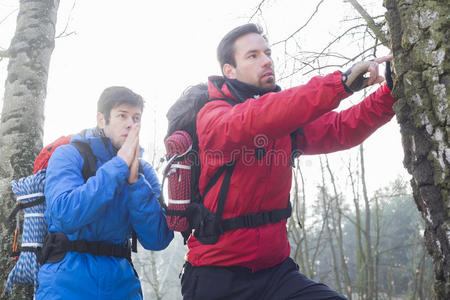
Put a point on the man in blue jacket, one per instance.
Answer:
(90, 220)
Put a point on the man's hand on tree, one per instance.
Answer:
(354, 79)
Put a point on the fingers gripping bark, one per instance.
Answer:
(354, 79)
(388, 76)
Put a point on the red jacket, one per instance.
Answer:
(228, 133)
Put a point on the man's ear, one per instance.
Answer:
(101, 122)
(229, 71)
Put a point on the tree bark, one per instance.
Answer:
(22, 118)
(419, 32)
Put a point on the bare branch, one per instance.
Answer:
(360, 18)
(8, 15)
(342, 65)
(370, 22)
(307, 22)
(310, 59)
(258, 9)
(64, 33)
(308, 63)
(341, 36)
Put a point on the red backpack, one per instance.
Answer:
(42, 159)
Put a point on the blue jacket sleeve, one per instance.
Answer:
(147, 217)
(70, 200)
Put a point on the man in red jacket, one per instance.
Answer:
(247, 140)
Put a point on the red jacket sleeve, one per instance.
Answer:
(221, 126)
(335, 131)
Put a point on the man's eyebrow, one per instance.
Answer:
(256, 50)
(251, 51)
(126, 111)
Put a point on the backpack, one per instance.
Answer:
(29, 192)
(185, 210)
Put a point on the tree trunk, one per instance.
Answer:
(302, 220)
(327, 210)
(22, 118)
(367, 230)
(419, 33)
(297, 239)
(360, 258)
(339, 234)
(377, 247)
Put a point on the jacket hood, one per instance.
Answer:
(101, 146)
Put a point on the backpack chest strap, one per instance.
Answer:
(256, 219)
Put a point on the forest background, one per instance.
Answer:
(361, 233)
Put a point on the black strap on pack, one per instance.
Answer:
(257, 219)
(20, 206)
(35, 250)
(90, 160)
(295, 150)
(57, 244)
(229, 168)
(133, 241)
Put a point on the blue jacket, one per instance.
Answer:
(104, 208)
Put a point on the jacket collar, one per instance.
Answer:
(220, 87)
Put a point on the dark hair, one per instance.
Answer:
(117, 95)
(225, 50)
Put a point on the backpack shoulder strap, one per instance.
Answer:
(90, 161)
(295, 150)
(229, 168)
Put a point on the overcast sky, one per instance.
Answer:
(160, 48)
